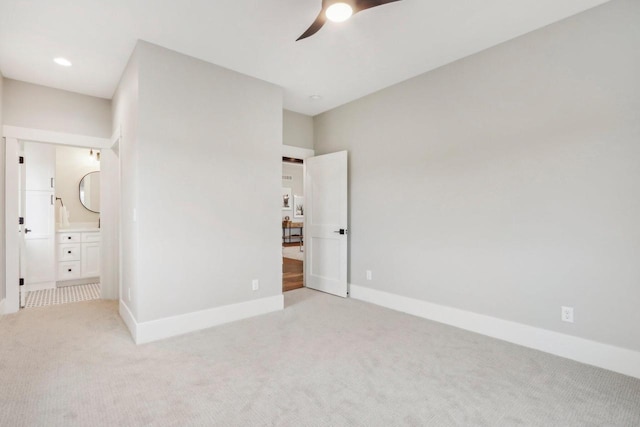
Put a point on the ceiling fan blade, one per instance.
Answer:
(368, 4)
(315, 27)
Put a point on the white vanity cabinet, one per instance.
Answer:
(78, 254)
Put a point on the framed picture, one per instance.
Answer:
(298, 206)
(287, 201)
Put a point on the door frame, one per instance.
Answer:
(13, 135)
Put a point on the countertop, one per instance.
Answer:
(76, 229)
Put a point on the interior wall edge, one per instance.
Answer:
(128, 319)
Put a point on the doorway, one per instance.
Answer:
(292, 204)
(60, 210)
(322, 233)
(15, 231)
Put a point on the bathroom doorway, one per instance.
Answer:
(60, 211)
(292, 205)
(55, 250)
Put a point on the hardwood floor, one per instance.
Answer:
(292, 274)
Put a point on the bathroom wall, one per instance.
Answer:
(71, 165)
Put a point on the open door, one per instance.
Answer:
(326, 223)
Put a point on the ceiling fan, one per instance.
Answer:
(340, 10)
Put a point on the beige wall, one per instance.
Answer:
(71, 165)
(297, 130)
(40, 107)
(507, 183)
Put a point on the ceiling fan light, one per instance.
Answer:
(339, 12)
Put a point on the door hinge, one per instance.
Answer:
(21, 282)
(21, 159)
(21, 220)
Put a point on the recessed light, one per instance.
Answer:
(62, 61)
(339, 12)
(315, 97)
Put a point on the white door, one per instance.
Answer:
(38, 199)
(326, 214)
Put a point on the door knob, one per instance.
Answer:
(26, 231)
(341, 231)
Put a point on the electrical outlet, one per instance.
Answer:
(369, 275)
(255, 284)
(567, 314)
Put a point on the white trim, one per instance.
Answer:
(50, 137)
(155, 330)
(297, 152)
(594, 353)
(2, 301)
(12, 229)
(128, 319)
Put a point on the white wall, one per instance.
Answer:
(208, 171)
(297, 130)
(40, 107)
(507, 183)
(72, 164)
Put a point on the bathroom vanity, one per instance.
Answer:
(78, 256)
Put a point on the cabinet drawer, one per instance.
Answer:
(90, 237)
(68, 270)
(68, 237)
(69, 252)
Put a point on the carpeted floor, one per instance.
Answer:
(323, 361)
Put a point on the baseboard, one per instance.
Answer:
(128, 319)
(76, 282)
(154, 330)
(29, 287)
(594, 353)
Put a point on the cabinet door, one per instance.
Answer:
(90, 260)
(40, 166)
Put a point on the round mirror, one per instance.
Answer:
(90, 191)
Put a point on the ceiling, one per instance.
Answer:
(342, 62)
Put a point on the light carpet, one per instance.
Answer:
(293, 252)
(323, 361)
(62, 295)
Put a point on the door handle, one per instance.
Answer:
(341, 231)
(26, 231)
